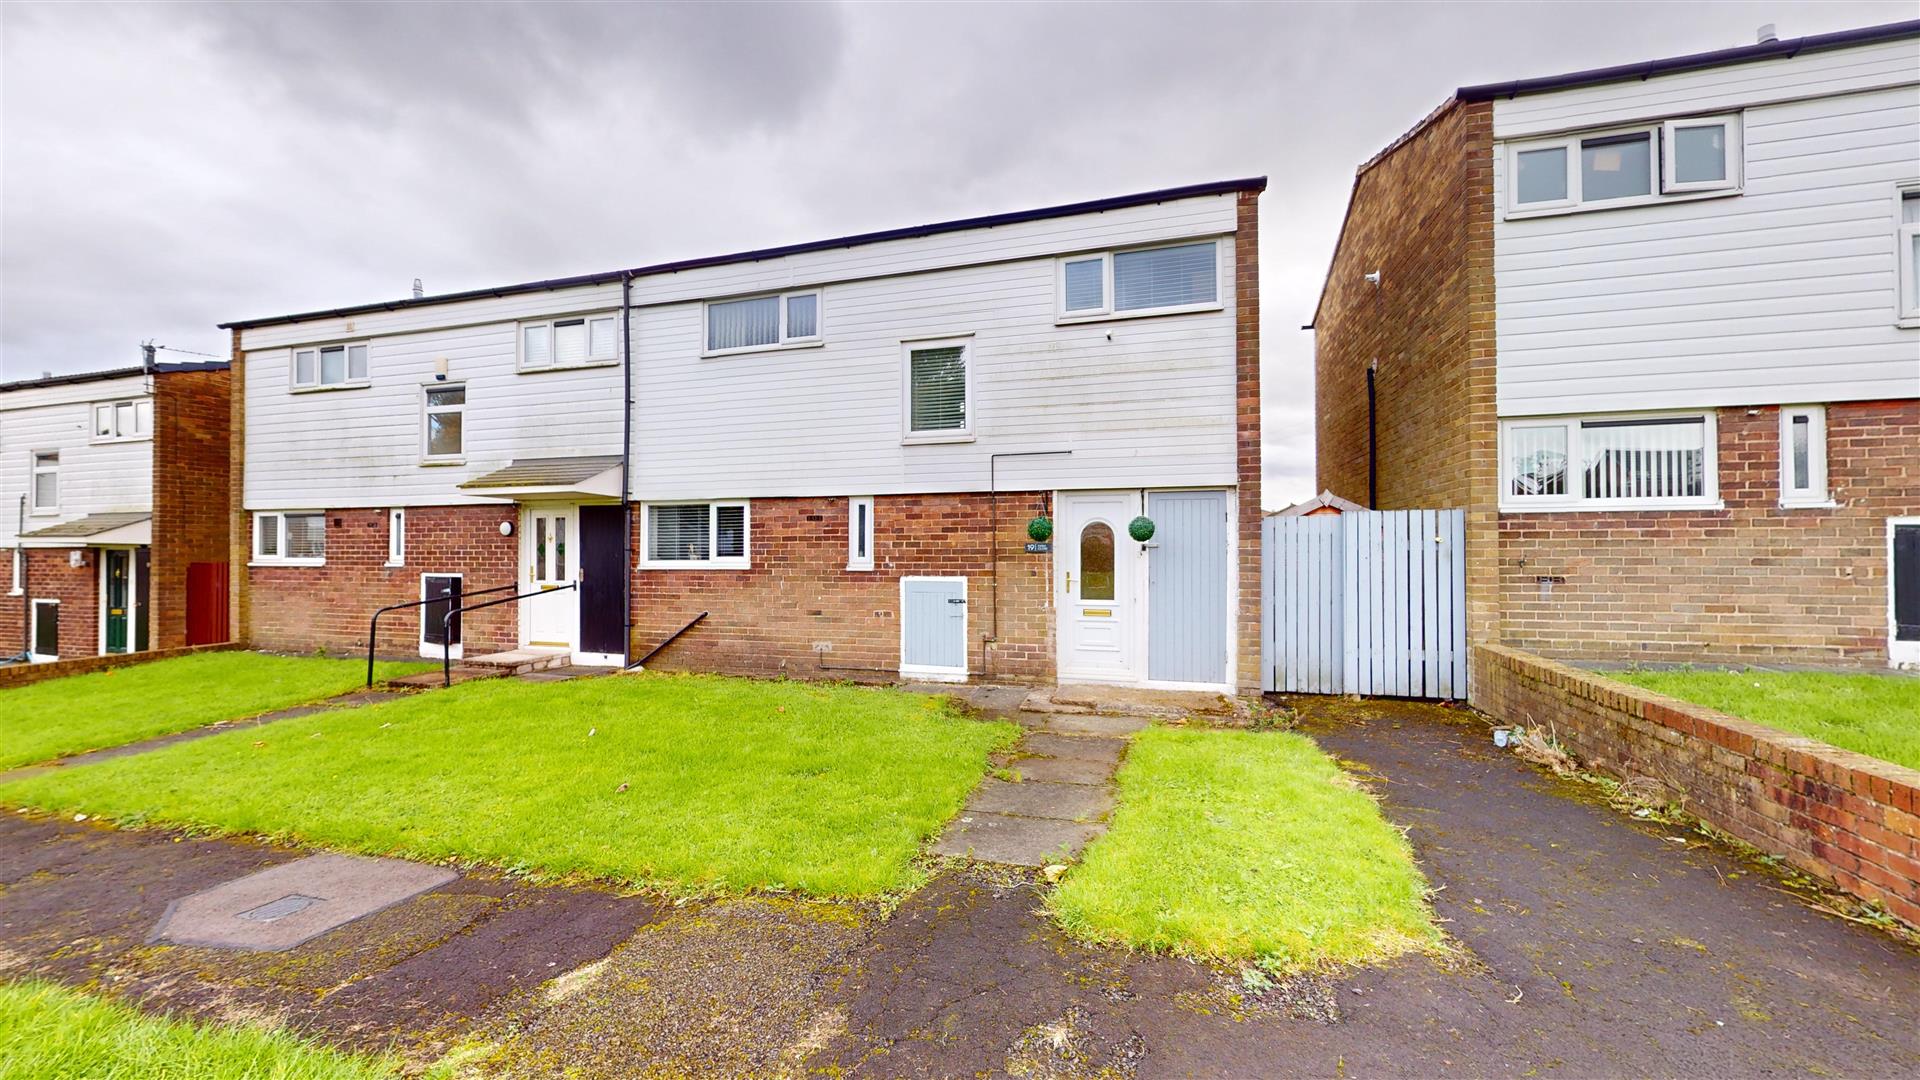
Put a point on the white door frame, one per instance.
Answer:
(1126, 561)
(33, 631)
(526, 579)
(1899, 653)
(427, 648)
(920, 671)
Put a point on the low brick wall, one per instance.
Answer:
(1843, 817)
(26, 674)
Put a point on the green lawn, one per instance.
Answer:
(50, 1033)
(728, 783)
(111, 708)
(1236, 845)
(1877, 715)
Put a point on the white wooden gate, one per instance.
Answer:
(1366, 602)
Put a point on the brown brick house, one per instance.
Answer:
(834, 449)
(1657, 329)
(115, 513)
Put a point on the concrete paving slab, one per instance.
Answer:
(1072, 724)
(1017, 841)
(1063, 770)
(1034, 798)
(281, 907)
(1102, 748)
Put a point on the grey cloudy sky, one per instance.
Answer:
(167, 167)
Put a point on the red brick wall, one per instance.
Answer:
(1752, 582)
(767, 620)
(191, 474)
(50, 577)
(1843, 817)
(15, 675)
(1246, 291)
(300, 608)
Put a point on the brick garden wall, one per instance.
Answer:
(191, 474)
(767, 620)
(1843, 817)
(1752, 582)
(15, 675)
(300, 608)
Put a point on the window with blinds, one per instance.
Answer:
(937, 390)
(1145, 281)
(573, 341)
(763, 322)
(330, 365)
(290, 538)
(1641, 461)
(696, 535)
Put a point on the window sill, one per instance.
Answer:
(394, 565)
(1908, 322)
(859, 568)
(935, 440)
(16, 592)
(436, 462)
(363, 384)
(1614, 508)
(1656, 199)
(117, 439)
(1142, 313)
(288, 562)
(551, 368)
(711, 564)
(1808, 504)
(785, 346)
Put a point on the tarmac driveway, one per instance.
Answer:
(1593, 945)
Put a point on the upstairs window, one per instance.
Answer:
(290, 538)
(938, 389)
(118, 421)
(1146, 281)
(1907, 252)
(1803, 456)
(1609, 462)
(444, 434)
(576, 341)
(46, 481)
(763, 322)
(1629, 167)
(695, 535)
(319, 366)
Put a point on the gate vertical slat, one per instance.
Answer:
(1430, 623)
(1443, 594)
(1457, 535)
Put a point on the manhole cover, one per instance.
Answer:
(280, 909)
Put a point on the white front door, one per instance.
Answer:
(550, 555)
(1096, 587)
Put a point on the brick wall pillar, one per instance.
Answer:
(1483, 423)
(1246, 291)
(192, 491)
(240, 529)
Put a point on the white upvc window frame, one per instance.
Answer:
(860, 532)
(1816, 493)
(397, 536)
(963, 433)
(1660, 190)
(786, 340)
(428, 409)
(34, 471)
(1906, 298)
(1576, 500)
(743, 561)
(18, 556)
(105, 417)
(279, 527)
(33, 630)
(318, 382)
(610, 355)
(1107, 311)
(1669, 160)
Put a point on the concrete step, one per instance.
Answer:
(428, 680)
(521, 661)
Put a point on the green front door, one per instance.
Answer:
(119, 570)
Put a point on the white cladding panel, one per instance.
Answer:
(1147, 401)
(329, 449)
(1141, 402)
(1716, 89)
(95, 478)
(1781, 294)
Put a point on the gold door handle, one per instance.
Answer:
(1069, 583)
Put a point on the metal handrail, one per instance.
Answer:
(373, 626)
(671, 638)
(446, 646)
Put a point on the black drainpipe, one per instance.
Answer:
(1373, 457)
(626, 471)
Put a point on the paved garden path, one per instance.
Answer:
(1048, 797)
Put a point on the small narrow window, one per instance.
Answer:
(937, 391)
(396, 537)
(602, 343)
(46, 481)
(266, 536)
(1803, 456)
(536, 346)
(103, 421)
(860, 533)
(330, 365)
(763, 322)
(803, 316)
(445, 420)
(14, 589)
(1083, 286)
(304, 368)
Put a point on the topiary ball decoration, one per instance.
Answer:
(1040, 529)
(1141, 528)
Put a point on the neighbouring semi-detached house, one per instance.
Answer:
(835, 450)
(116, 507)
(1657, 328)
